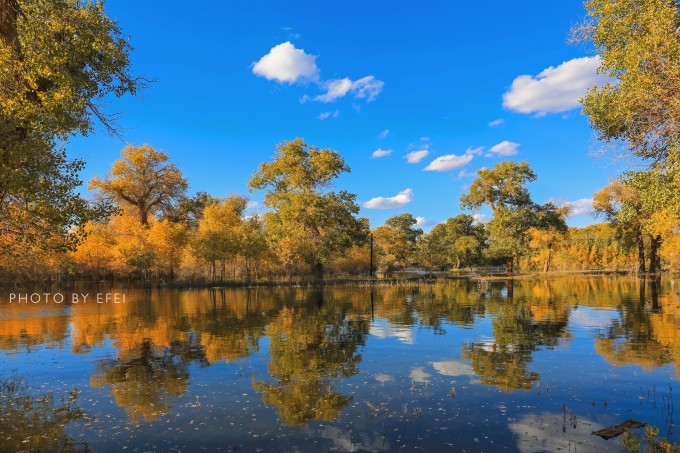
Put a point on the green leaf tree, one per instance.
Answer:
(61, 60)
(638, 44)
(503, 189)
(312, 221)
(396, 241)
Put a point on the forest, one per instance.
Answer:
(144, 224)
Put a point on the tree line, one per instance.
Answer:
(158, 232)
(62, 60)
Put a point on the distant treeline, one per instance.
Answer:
(155, 232)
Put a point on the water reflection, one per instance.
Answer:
(303, 348)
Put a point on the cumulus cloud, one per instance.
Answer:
(415, 157)
(449, 162)
(555, 89)
(476, 151)
(546, 431)
(424, 222)
(480, 218)
(335, 89)
(326, 115)
(401, 199)
(418, 374)
(384, 133)
(496, 123)
(504, 148)
(286, 64)
(382, 329)
(368, 87)
(381, 153)
(453, 368)
(580, 206)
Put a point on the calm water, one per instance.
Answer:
(524, 366)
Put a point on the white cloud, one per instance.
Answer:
(547, 431)
(424, 222)
(326, 115)
(496, 123)
(480, 218)
(466, 174)
(382, 329)
(478, 150)
(381, 153)
(555, 89)
(580, 206)
(335, 89)
(286, 64)
(418, 374)
(453, 368)
(449, 162)
(368, 87)
(504, 148)
(252, 204)
(401, 199)
(384, 133)
(384, 378)
(415, 157)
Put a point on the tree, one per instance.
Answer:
(431, 248)
(458, 241)
(218, 233)
(466, 239)
(313, 222)
(396, 241)
(252, 243)
(638, 44)
(60, 59)
(514, 213)
(642, 206)
(502, 187)
(143, 179)
(609, 202)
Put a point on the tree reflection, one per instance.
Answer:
(147, 382)
(525, 319)
(34, 422)
(646, 333)
(310, 345)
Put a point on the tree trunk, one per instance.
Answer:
(509, 263)
(654, 258)
(457, 263)
(143, 215)
(318, 273)
(655, 286)
(9, 11)
(510, 286)
(641, 255)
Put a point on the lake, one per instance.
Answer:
(523, 365)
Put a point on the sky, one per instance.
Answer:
(416, 97)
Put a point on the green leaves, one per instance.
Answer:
(502, 186)
(638, 44)
(308, 222)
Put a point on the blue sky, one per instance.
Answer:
(235, 78)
